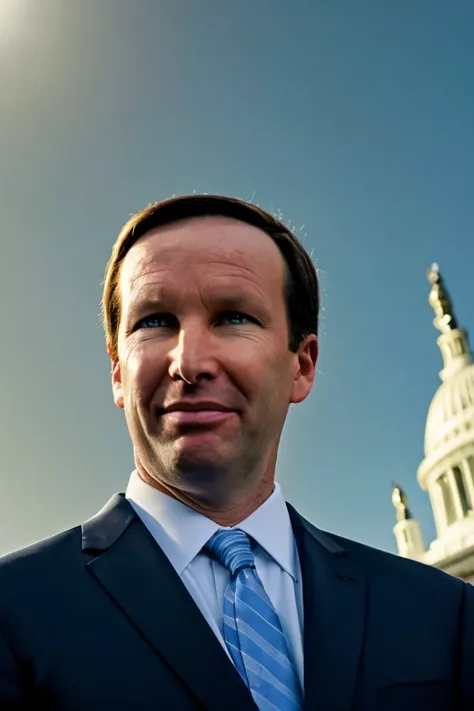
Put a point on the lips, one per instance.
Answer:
(197, 417)
(186, 406)
(197, 413)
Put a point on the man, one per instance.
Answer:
(200, 588)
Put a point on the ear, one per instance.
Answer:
(117, 387)
(305, 370)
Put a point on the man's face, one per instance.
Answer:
(204, 326)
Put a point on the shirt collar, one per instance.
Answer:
(182, 532)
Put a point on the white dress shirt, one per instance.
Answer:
(181, 532)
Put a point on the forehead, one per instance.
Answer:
(216, 246)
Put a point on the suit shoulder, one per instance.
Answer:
(387, 566)
(38, 553)
(390, 563)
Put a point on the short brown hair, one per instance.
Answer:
(301, 287)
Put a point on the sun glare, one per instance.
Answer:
(12, 18)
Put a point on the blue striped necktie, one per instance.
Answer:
(252, 630)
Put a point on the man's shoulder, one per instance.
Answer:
(62, 554)
(52, 550)
(389, 567)
(402, 573)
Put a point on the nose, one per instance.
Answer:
(192, 359)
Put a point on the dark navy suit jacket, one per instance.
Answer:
(96, 619)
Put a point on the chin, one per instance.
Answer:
(200, 462)
(190, 463)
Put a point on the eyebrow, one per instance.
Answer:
(234, 302)
(147, 303)
(226, 302)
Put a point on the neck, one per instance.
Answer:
(226, 513)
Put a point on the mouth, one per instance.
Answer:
(205, 416)
(203, 413)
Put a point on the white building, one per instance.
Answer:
(447, 471)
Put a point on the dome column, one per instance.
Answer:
(456, 494)
(438, 507)
(468, 473)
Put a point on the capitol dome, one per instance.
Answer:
(447, 470)
(451, 412)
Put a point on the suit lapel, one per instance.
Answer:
(142, 582)
(334, 598)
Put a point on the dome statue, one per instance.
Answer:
(400, 501)
(445, 320)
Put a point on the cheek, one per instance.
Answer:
(144, 372)
(265, 374)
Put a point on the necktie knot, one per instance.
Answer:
(231, 548)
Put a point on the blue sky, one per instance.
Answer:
(353, 119)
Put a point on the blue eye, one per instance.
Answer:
(237, 316)
(154, 321)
